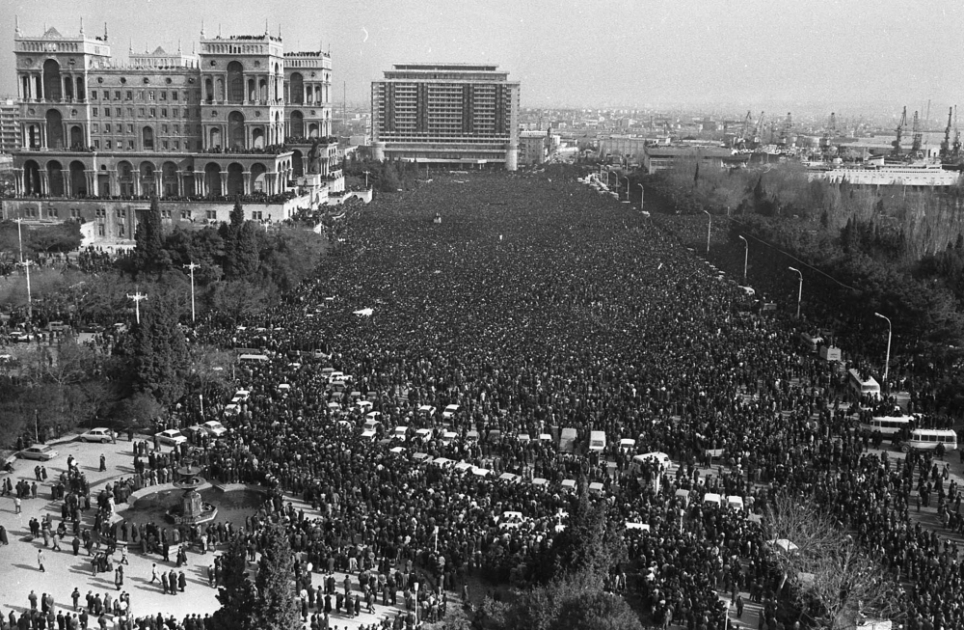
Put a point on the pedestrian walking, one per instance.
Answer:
(41, 558)
(153, 573)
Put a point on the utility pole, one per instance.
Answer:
(799, 290)
(709, 229)
(26, 265)
(642, 195)
(746, 256)
(890, 330)
(137, 297)
(192, 266)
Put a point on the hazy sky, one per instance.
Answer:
(748, 53)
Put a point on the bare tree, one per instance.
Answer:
(830, 576)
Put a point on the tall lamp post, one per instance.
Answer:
(26, 265)
(709, 229)
(137, 297)
(890, 330)
(628, 184)
(192, 266)
(799, 290)
(746, 256)
(642, 195)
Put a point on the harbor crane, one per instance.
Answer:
(899, 133)
(917, 142)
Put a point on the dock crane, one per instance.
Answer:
(946, 145)
(744, 131)
(899, 133)
(759, 130)
(826, 142)
(917, 142)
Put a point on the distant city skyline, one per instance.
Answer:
(753, 55)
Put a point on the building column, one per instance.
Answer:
(40, 86)
(112, 178)
(247, 182)
(18, 181)
(224, 183)
(44, 182)
(180, 184)
(137, 184)
(158, 183)
(91, 178)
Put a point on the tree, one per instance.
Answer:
(575, 601)
(157, 352)
(830, 577)
(149, 253)
(277, 607)
(236, 594)
(590, 545)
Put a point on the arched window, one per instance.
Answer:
(297, 124)
(55, 129)
(125, 179)
(77, 137)
(78, 179)
(258, 179)
(212, 177)
(169, 179)
(235, 179)
(215, 141)
(148, 184)
(296, 86)
(297, 164)
(236, 130)
(235, 82)
(52, 80)
(147, 138)
(31, 178)
(55, 177)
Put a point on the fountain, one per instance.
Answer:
(192, 510)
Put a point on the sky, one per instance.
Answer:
(746, 54)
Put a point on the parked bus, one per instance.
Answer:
(928, 439)
(862, 387)
(887, 425)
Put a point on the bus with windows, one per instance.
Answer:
(928, 439)
(860, 387)
(887, 425)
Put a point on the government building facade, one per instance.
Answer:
(459, 115)
(240, 117)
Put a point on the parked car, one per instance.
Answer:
(171, 437)
(100, 434)
(42, 452)
(21, 336)
(213, 428)
(450, 411)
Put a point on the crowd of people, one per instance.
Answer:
(536, 305)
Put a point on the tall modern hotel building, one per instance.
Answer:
(452, 114)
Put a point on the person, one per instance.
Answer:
(41, 558)
(181, 581)
(103, 463)
(164, 582)
(4, 540)
(16, 505)
(153, 573)
(32, 598)
(76, 545)
(119, 577)
(739, 606)
(75, 597)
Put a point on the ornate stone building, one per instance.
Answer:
(236, 116)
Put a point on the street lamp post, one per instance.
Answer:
(890, 330)
(26, 265)
(709, 229)
(746, 256)
(799, 290)
(416, 604)
(642, 195)
(192, 266)
(137, 297)
(628, 184)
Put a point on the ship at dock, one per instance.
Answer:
(877, 172)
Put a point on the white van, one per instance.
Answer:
(597, 441)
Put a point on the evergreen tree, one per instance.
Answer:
(236, 593)
(237, 214)
(246, 252)
(148, 238)
(277, 607)
(590, 545)
(158, 352)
